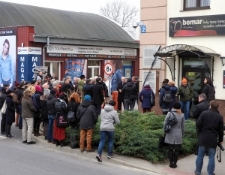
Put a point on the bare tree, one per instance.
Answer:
(122, 13)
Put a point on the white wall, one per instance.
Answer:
(216, 43)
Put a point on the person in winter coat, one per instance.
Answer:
(3, 117)
(120, 93)
(51, 114)
(202, 106)
(173, 90)
(186, 94)
(66, 87)
(10, 113)
(44, 111)
(87, 115)
(74, 102)
(164, 105)
(109, 117)
(208, 89)
(28, 110)
(210, 132)
(176, 134)
(98, 97)
(59, 134)
(87, 88)
(37, 105)
(145, 98)
(130, 95)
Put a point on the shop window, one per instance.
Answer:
(196, 4)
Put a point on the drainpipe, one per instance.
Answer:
(45, 46)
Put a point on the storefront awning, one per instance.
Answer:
(185, 50)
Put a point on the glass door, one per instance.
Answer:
(93, 68)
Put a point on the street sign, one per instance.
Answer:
(143, 28)
(108, 69)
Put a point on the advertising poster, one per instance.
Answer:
(8, 56)
(28, 59)
(75, 67)
(113, 80)
(212, 25)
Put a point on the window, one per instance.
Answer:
(196, 4)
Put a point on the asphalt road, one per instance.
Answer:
(17, 158)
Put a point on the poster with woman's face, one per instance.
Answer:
(7, 56)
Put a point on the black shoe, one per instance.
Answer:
(9, 136)
(99, 158)
(31, 142)
(25, 141)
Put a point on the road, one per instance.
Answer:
(17, 158)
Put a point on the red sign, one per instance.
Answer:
(108, 69)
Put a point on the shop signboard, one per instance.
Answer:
(28, 59)
(212, 25)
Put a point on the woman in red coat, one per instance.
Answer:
(59, 134)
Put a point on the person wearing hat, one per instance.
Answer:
(176, 134)
(10, 113)
(109, 117)
(28, 110)
(185, 92)
(87, 115)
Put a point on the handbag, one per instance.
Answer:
(61, 121)
(162, 143)
(4, 107)
(152, 100)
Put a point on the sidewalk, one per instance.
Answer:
(185, 166)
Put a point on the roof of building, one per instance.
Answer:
(60, 23)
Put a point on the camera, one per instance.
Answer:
(220, 146)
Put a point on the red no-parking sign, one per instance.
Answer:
(108, 69)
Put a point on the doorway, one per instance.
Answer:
(54, 68)
(93, 68)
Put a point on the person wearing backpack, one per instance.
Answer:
(175, 136)
(51, 114)
(165, 98)
(186, 94)
(74, 102)
(37, 104)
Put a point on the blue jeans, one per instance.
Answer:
(110, 135)
(185, 107)
(199, 161)
(51, 119)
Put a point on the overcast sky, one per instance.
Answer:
(91, 6)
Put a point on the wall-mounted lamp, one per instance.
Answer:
(222, 60)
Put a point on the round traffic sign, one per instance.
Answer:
(108, 69)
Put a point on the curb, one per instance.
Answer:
(119, 160)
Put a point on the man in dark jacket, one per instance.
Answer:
(37, 119)
(87, 88)
(51, 114)
(67, 87)
(2, 101)
(165, 106)
(210, 132)
(98, 97)
(130, 95)
(121, 93)
(202, 106)
(88, 117)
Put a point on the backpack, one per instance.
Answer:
(171, 121)
(60, 106)
(167, 98)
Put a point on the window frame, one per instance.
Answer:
(195, 8)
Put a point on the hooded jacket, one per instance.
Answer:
(87, 115)
(51, 104)
(109, 117)
(145, 97)
(129, 89)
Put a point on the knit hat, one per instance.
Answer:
(87, 98)
(176, 105)
(52, 92)
(112, 103)
(38, 88)
(9, 92)
(129, 80)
